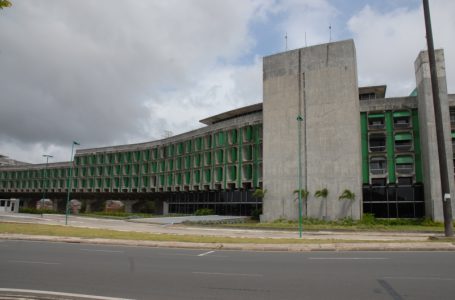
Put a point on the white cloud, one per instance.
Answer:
(388, 43)
(91, 70)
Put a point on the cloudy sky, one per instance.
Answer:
(110, 72)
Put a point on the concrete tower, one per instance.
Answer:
(320, 84)
(430, 158)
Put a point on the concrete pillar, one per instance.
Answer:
(430, 157)
(319, 83)
(129, 205)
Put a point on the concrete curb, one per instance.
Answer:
(346, 246)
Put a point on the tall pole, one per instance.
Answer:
(299, 169)
(444, 173)
(44, 183)
(68, 183)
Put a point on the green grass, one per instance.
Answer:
(67, 231)
(368, 223)
(123, 215)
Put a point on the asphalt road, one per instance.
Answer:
(159, 273)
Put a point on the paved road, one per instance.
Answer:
(123, 225)
(159, 273)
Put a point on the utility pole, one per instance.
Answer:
(445, 187)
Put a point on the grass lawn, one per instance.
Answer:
(366, 224)
(67, 231)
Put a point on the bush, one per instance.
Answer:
(31, 210)
(204, 212)
(255, 214)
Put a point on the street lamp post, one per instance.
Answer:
(44, 182)
(299, 169)
(68, 183)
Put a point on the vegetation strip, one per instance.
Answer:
(67, 231)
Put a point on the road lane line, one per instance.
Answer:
(347, 258)
(25, 292)
(228, 274)
(418, 278)
(33, 262)
(205, 253)
(99, 250)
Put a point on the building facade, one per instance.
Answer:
(315, 129)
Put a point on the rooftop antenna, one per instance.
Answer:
(286, 40)
(330, 33)
(306, 45)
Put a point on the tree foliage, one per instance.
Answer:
(321, 193)
(303, 193)
(347, 195)
(5, 3)
(259, 193)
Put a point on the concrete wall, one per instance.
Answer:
(430, 158)
(319, 83)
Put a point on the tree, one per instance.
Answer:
(322, 194)
(304, 194)
(258, 193)
(5, 3)
(347, 195)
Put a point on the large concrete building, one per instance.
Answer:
(382, 151)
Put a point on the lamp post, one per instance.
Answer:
(299, 169)
(68, 183)
(44, 182)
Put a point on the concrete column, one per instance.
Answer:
(430, 157)
(319, 83)
(129, 205)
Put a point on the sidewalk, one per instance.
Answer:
(370, 241)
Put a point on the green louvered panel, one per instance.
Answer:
(398, 114)
(170, 164)
(145, 182)
(248, 134)
(207, 175)
(197, 176)
(218, 174)
(198, 144)
(197, 160)
(146, 155)
(188, 146)
(162, 166)
(187, 178)
(187, 162)
(137, 156)
(154, 167)
(135, 182)
(207, 158)
(161, 179)
(219, 156)
(92, 171)
(155, 153)
(179, 179)
(233, 154)
(126, 182)
(170, 151)
(404, 136)
(99, 182)
(178, 163)
(145, 169)
(400, 160)
(135, 169)
(107, 183)
(126, 170)
(232, 172)
(117, 182)
(233, 136)
(179, 148)
(376, 116)
(169, 179)
(247, 172)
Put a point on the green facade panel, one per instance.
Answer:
(390, 147)
(417, 149)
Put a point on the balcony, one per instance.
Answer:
(377, 142)
(404, 164)
(378, 165)
(402, 119)
(376, 121)
(403, 141)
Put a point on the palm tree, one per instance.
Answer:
(5, 3)
(258, 193)
(347, 195)
(304, 194)
(322, 194)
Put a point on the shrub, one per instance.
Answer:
(256, 213)
(204, 212)
(31, 210)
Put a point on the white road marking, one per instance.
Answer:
(205, 253)
(419, 278)
(23, 292)
(347, 258)
(228, 274)
(99, 250)
(33, 262)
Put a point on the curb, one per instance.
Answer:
(383, 246)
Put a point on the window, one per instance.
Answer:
(377, 142)
(378, 165)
